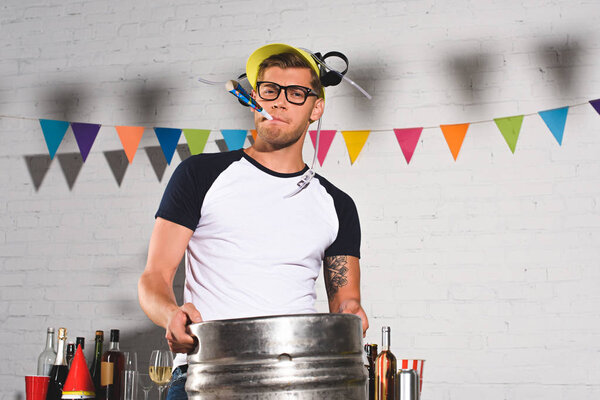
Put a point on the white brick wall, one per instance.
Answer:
(487, 267)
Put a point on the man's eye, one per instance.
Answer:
(297, 94)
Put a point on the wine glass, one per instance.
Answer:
(161, 364)
(145, 383)
(130, 376)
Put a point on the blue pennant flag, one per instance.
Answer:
(54, 132)
(168, 139)
(234, 138)
(555, 120)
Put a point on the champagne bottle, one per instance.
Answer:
(59, 371)
(113, 363)
(385, 369)
(70, 353)
(48, 356)
(371, 352)
(95, 366)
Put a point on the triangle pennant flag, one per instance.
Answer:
(555, 121)
(455, 135)
(355, 141)
(168, 138)
(130, 137)
(118, 163)
(253, 133)
(407, 139)
(196, 139)
(325, 139)
(85, 134)
(234, 138)
(596, 105)
(54, 132)
(510, 128)
(71, 164)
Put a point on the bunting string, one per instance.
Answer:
(232, 139)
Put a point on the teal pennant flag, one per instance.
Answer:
(234, 138)
(555, 121)
(54, 132)
(168, 139)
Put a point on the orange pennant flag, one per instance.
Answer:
(455, 134)
(253, 133)
(355, 140)
(130, 139)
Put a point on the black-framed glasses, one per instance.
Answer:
(295, 94)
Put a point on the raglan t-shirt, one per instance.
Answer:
(254, 251)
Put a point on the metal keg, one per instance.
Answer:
(314, 356)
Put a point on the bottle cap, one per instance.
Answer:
(81, 341)
(79, 383)
(100, 333)
(62, 333)
(114, 335)
(50, 330)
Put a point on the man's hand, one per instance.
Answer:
(353, 307)
(178, 333)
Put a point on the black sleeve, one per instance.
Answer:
(347, 242)
(181, 201)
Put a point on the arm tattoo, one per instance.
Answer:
(336, 269)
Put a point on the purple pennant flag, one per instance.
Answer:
(85, 134)
(596, 105)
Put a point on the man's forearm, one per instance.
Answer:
(156, 298)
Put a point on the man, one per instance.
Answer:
(251, 249)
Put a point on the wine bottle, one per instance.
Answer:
(70, 353)
(371, 353)
(95, 366)
(59, 371)
(385, 369)
(80, 341)
(113, 363)
(48, 356)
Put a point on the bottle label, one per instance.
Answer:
(106, 373)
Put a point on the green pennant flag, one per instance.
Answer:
(510, 128)
(196, 139)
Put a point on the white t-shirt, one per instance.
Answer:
(255, 252)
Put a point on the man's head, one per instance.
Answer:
(287, 85)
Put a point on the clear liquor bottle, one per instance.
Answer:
(385, 369)
(48, 356)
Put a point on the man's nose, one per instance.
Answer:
(280, 101)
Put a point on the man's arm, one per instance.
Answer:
(342, 281)
(155, 287)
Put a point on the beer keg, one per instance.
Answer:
(309, 356)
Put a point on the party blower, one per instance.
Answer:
(237, 90)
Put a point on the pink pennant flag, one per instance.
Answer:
(408, 139)
(325, 139)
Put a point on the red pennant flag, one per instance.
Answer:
(455, 134)
(325, 139)
(407, 139)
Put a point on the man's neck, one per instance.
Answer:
(286, 161)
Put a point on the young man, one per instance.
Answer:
(251, 250)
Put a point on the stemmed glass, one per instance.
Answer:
(161, 364)
(145, 383)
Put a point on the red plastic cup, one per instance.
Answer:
(415, 364)
(36, 387)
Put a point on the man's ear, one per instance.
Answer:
(317, 110)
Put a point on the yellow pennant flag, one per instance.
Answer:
(355, 140)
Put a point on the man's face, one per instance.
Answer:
(290, 121)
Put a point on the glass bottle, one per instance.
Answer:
(70, 353)
(59, 371)
(385, 369)
(95, 365)
(80, 341)
(48, 356)
(371, 355)
(113, 363)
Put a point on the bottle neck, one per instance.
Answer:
(50, 341)
(98, 349)
(114, 346)
(60, 353)
(385, 339)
